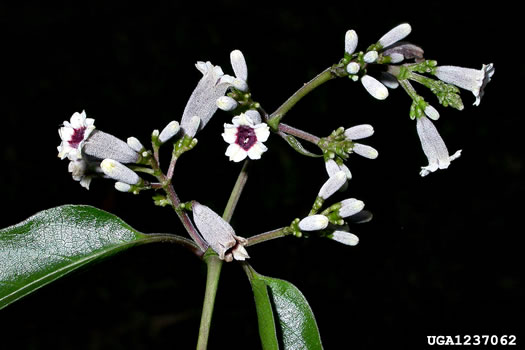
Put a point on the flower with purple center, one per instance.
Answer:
(245, 138)
(73, 134)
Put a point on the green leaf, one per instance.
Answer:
(297, 324)
(56, 241)
(296, 145)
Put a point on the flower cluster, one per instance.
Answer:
(389, 52)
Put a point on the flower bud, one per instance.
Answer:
(122, 187)
(333, 184)
(313, 223)
(431, 112)
(345, 238)
(365, 151)
(395, 34)
(350, 41)
(101, 145)
(370, 56)
(359, 132)
(254, 116)
(374, 87)
(226, 103)
(119, 172)
(169, 131)
(239, 65)
(353, 68)
(219, 234)
(350, 207)
(191, 125)
(135, 144)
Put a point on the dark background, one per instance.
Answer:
(443, 255)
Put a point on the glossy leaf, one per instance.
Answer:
(297, 325)
(56, 241)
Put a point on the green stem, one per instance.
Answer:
(215, 264)
(299, 133)
(236, 192)
(212, 282)
(266, 236)
(322, 78)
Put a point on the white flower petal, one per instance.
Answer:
(345, 238)
(257, 150)
(239, 65)
(314, 223)
(359, 132)
(365, 151)
(230, 133)
(332, 185)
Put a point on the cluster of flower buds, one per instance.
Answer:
(341, 143)
(392, 54)
(331, 221)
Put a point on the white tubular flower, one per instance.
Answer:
(353, 68)
(359, 132)
(431, 112)
(101, 145)
(365, 151)
(135, 144)
(219, 234)
(119, 172)
(332, 185)
(395, 34)
(202, 102)
(73, 135)
(370, 56)
(350, 206)
(314, 223)
(226, 103)
(122, 187)
(374, 87)
(245, 138)
(344, 237)
(433, 146)
(350, 41)
(169, 131)
(78, 169)
(467, 78)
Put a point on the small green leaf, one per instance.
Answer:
(296, 320)
(56, 241)
(296, 145)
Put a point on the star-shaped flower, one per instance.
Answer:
(73, 135)
(245, 138)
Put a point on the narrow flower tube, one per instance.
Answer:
(219, 234)
(467, 78)
(101, 145)
(119, 172)
(314, 223)
(433, 146)
(374, 87)
(345, 238)
(332, 185)
(202, 102)
(350, 206)
(169, 131)
(395, 34)
(359, 132)
(350, 41)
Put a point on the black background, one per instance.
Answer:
(443, 254)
